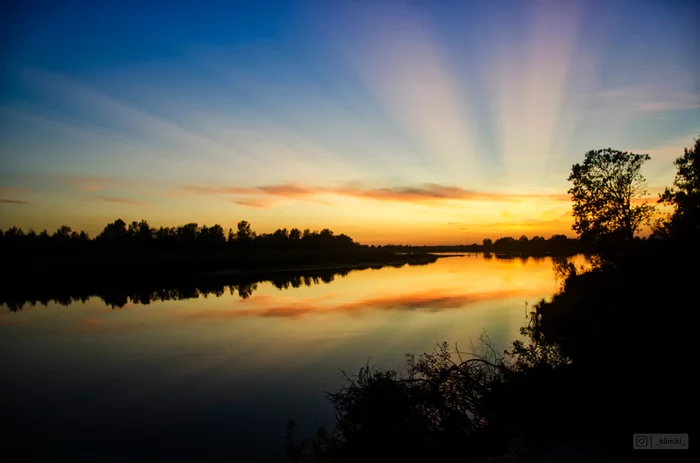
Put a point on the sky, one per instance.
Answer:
(416, 122)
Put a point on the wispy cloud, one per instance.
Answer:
(221, 190)
(13, 201)
(422, 193)
(649, 98)
(258, 202)
(118, 200)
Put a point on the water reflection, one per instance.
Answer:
(15, 298)
(227, 372)
(121, 294)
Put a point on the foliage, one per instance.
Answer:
(141, 236)
(605, 187)
(592, 358)
(684, 196)
(537, 246)
(439, 405)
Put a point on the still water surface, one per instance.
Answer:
(217, 378)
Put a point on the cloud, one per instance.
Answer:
(13, 201)
(114, 199)
(422, 193)
(260, 203)
(291, 191)
(221, 190)
(647, 98)
(425, 192)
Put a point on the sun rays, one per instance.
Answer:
(351, 125)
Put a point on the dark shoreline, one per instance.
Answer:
(421, 259)
(117, 288)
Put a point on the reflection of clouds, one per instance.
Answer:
(431, 301)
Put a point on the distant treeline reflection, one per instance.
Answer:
(119, 296)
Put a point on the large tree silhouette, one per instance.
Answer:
(605, 188)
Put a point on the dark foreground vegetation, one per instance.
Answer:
(613, 353)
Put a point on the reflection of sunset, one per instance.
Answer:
(453, 299)
(209, 211)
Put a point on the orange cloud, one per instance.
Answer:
(428, 192)
(114, 199)
(425, 192)
(221, 190)
(290, 191)
(261, 203)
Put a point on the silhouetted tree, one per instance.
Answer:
(143, 232)
(244, 232)
(684, 196)
(63, 234)
(115, 231)
(605, 188)
(187, 234)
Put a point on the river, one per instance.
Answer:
(216, 378)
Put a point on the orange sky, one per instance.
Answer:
(384, 122)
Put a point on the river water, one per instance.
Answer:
(216, 378)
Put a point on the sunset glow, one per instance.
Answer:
(392, 122)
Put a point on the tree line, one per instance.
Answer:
(537, 245)
(142, 236)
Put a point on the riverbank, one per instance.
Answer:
(128, 263)
(117, 285)
(597, 348)
(400, 260)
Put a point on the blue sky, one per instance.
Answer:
(413, 121)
